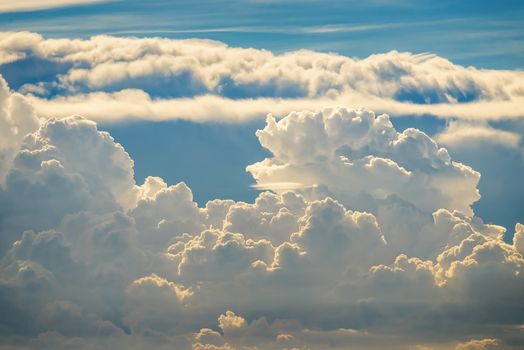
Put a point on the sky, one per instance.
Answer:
(250, 174)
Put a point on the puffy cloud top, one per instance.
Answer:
(359, 157)
(374, 246)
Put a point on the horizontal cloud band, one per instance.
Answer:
(201, 80)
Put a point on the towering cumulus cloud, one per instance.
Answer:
(367, 241)
(356, 156)
(17, 119)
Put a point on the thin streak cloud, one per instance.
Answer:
(34, 5)
(135, 104)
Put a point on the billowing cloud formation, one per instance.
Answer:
(17, 119)
(157, 78)
(359, 158)
(90, 258)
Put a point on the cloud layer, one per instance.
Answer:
(154, 78)
(376, 245)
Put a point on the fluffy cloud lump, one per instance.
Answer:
(377, 248)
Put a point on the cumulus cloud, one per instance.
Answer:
(17, 118)
(518, 239)
(378, 247)
(154, 78)
(360, 158)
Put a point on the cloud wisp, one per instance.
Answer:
(379, 249)
(160, 79)
(33, 5)
(467, 134)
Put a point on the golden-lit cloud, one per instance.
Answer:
(367, 238)
(32, 5)
(110, 78)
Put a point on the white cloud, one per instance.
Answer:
(154, 304)
(466, 134)
(136, 104)
(111, 78)
(371, 254)
(170, 211)
(518, 239)
(360, 158)
(17, 118)
(478, 344)
(32, 5)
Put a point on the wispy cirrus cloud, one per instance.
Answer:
(33, 5)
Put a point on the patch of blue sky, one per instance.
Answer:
(210, 157)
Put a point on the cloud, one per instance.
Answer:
(154, 304)
(488, 148)
(518, 239)
(154, 78)
(378, 250)
(466, 134)
(136, 104)
(17, 118)
(478, 344)
(358, 157)
(33, 5)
